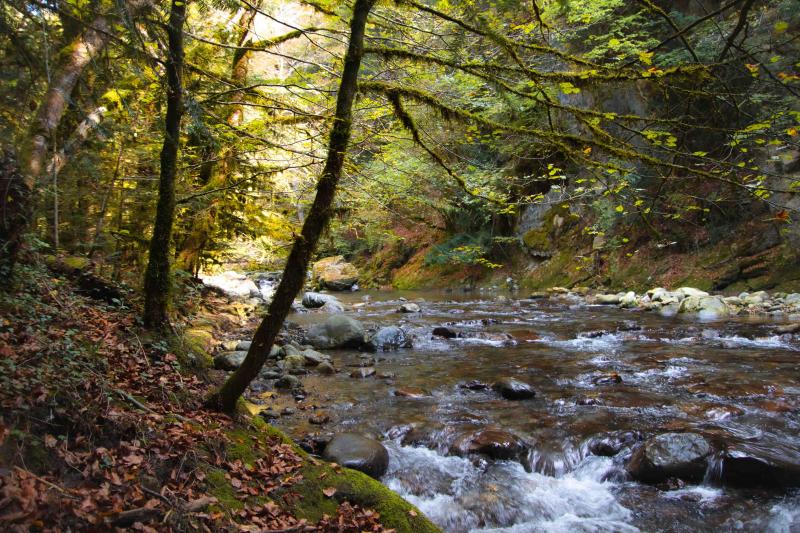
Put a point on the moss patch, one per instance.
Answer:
(350, 485)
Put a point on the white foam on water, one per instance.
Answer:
(605, 342)
(460, 496)
(701, 493)
(735, 341)
(784, 518)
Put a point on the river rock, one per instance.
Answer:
(338, 331)
(319, 418)
(757, 464)
(686, 292)
(233, 284)
(607, 299)
(409, 308)
(289, 349)
(229, 360)
(513, 389)
(363, 372)
(288, 382)
(359, 453)
(243, 346)
(410, 392)
(491, 442)
(612, 443)
(611, 378)
(756, 298)
(388, 338)
(292, 362)
(788, 328)
(792, 299)
(705, 306)
(334, 273)
(670, 455)
(628, 300)
(444, 332)
(314, 358)
(326, 369)
(314, 300)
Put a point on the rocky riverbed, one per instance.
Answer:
(557, 411)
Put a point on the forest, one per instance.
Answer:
(399, 265)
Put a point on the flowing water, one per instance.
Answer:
(733, 382)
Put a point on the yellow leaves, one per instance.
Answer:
(791, 132)
(567, 88)
(619, 209)
(646, 57)
(781, 26)
(753, 68)
(614, 43)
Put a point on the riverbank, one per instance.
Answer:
(102, 426)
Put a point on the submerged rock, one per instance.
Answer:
(670, 455)
(444, 332)
(359, 453)
(607, 379)
(326, 369)
(338, 331)
(410, 392)
(513, 389)
(491, 442)
(363, 372)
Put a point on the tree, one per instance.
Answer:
(157, 275)
(294, 273)
(74, 58)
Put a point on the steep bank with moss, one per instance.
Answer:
(102, 427)
(566, 250)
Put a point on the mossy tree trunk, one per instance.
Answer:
(294, 273)
(157, 275)
(202, 229)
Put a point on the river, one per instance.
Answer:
(598, 371)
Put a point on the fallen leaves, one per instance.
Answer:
(133, 447)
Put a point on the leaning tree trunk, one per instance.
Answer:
(294, 272)
(157, 275)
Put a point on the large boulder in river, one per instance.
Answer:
(670, 455)
(339, 331)
(359, 453)
(492, 442)
(705, 306)
(315, 300)
(513, 389)
(334, 273)
(388, 338)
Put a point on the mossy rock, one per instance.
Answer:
(199, 342)
(69, 262)
(538, 240)
(351, 486)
